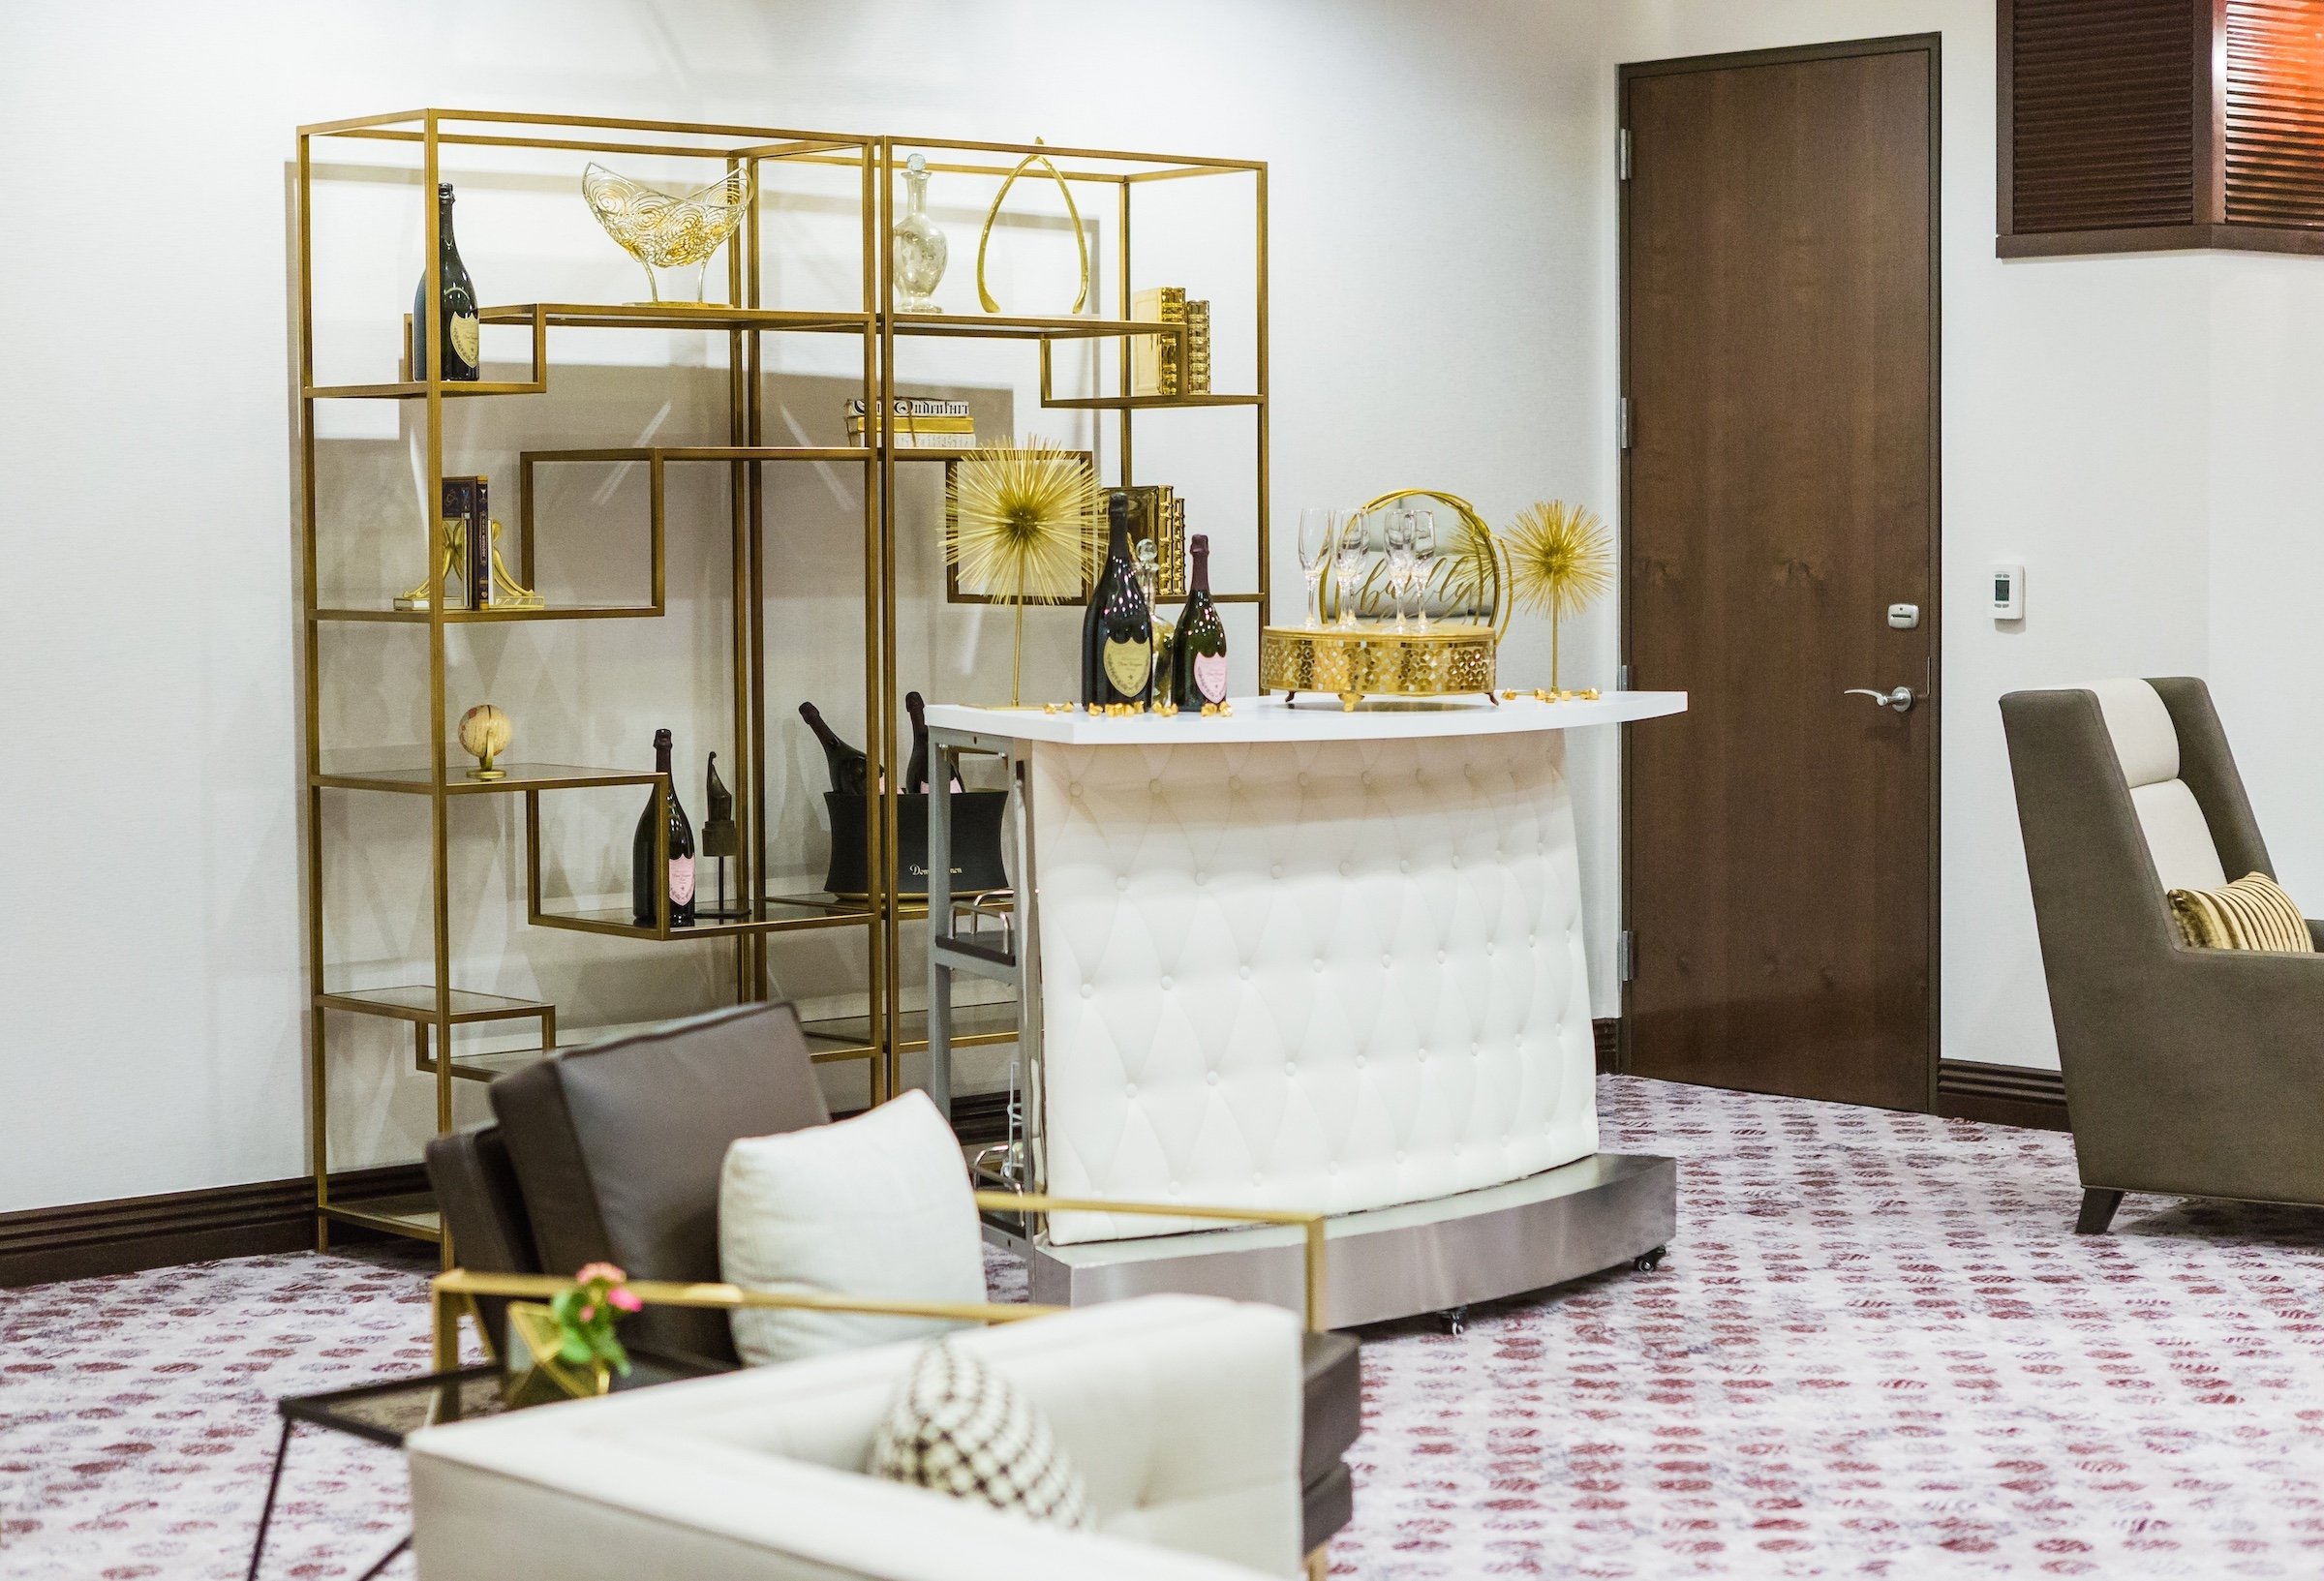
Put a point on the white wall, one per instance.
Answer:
(1435, 289)
(1444, 278)
(2267, 546)
(2078, 426)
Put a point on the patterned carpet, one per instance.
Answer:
(1875, 1350)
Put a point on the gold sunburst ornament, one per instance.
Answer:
(1021, 522)
(1560, 559)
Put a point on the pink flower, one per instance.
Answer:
(626, 1300)
(587, 1311)
(597, 1271)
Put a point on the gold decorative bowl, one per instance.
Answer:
(1448, 659)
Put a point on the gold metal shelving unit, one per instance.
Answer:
(884, 1030)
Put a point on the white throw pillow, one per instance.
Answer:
(877, 1207)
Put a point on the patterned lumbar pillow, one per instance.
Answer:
(959, 1427)
(2252, 913)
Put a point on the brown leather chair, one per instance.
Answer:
(2192, 1073)
(613, 1152)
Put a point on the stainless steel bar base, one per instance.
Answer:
(1388, 1263)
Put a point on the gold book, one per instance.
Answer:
(1159, 516)
(1155, 358)
(1198, 348)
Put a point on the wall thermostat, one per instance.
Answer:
(2008, 590)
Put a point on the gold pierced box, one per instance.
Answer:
(1354, 663)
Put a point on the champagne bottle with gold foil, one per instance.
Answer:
(460, 340)
(1117, 633)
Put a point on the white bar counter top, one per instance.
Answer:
(1298, 955)
(1312, 718)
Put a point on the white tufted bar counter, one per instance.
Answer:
(1298, 958)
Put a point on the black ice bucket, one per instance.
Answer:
(976, 818)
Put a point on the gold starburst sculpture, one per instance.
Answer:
(1021, 522)
(1561, 558)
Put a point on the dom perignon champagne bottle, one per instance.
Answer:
(1198, 657)
(915, 773)
(846, 763)
(1118, 634)
(645, 905)
(460, 340)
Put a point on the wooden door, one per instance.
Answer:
(1779, 321)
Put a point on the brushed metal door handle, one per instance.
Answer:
(1901, 699)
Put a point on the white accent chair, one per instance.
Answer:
(1182, 1414)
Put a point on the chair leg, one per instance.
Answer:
(2097, 1211)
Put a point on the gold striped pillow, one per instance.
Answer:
(2252, 913)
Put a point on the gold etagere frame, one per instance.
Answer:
(877, 1036)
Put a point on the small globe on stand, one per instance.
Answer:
(484, 733)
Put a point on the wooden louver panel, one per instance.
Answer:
(2103, 107)
(2275, 152)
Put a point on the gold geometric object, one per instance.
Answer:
(1377, 661)
(484, 733)
(663, 230)
(1561, 558)
(1021, 523)
(1081, 243)
(537, 1374)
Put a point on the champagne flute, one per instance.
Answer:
(1347, 560)
(1316, 539)
(1424, 560)
(1396, 533)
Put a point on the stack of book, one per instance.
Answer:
(920, 423)
(1155, 367)
(1157, 515)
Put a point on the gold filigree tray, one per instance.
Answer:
(1448, 659)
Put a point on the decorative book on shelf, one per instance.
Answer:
(1157, 515)
(920, 423)
(1154, 362)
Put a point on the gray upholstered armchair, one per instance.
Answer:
(2194, 1072)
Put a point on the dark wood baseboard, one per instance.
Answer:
(1609, 1035)
(2000, 1094)
(84, 1240)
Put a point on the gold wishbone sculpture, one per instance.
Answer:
(984, 240)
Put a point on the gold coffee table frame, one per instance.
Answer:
(1353, 662)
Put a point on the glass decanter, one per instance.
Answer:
(919, 246)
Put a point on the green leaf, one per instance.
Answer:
(563, 1305)
(575, 1350)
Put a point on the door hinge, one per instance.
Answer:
(1622, 154)
(1620, 678)
(1625, 956)
(1622, 423)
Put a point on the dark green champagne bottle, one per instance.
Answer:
(459, 338)
(849, 769)
(1198, 657)
(644, 904)
(1118, 634)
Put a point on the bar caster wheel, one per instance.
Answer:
(1455, 1320)
(1648, 1261)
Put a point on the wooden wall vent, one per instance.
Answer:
(2146, 124)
